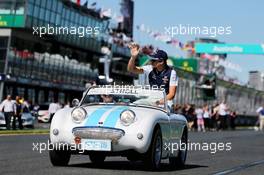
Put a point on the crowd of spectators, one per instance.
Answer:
(13, 109)
(119, 38)
(207, 118)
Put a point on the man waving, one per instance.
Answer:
(158, 73)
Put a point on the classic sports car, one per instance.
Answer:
(134, 122)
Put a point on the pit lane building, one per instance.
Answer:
(51, 66)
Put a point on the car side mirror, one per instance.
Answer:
(75, 102)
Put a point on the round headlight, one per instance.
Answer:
(78, 115)
(127, 117)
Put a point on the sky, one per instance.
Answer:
(246, 18)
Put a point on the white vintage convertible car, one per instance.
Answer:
(133, 122)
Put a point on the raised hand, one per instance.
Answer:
(134, 49)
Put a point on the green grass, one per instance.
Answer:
(24, 131)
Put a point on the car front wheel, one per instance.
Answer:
(59, 157)
(153, 156)
(97, 158)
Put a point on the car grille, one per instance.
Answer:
(98, 133)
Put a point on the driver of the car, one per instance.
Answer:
(158, 73)
(107, 98)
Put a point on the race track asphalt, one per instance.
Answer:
(246, 157)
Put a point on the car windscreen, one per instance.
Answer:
(135, 97)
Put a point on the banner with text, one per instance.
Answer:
(215, 48)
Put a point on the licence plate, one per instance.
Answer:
(96, 145)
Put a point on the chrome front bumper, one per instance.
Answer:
(98, 133)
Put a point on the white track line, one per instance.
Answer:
(239, 168)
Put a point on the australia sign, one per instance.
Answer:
(215, 48)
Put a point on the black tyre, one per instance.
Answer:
(133, 158)
(97, 158)
(59, 157)
(153, 156)
(179, 161)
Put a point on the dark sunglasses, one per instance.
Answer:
(157, 61)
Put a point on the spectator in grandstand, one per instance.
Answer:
(223, 115)
(228, 118)
(35, 110)
(232, 120)
(119, 38)
(68, 105)
(177, 108)
(200, 121)
(215, 117)
(192, 115)
(26, 106)
(9, 108)
(184, 111)
(18, 114)
(206, 117)
(260, 112)
(192, 122)
(53, 108)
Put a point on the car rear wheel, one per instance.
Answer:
(179, 161)
(97, 158)
(59, 157)
(153, 156)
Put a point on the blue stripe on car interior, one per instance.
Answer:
(94, 117)
(113, 117)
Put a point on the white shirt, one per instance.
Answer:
(199, 113)
(222, 109)
(8, 106)
(67, 106)
(53, 107)
(206, 114)
(259, 109)
(259, 112)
